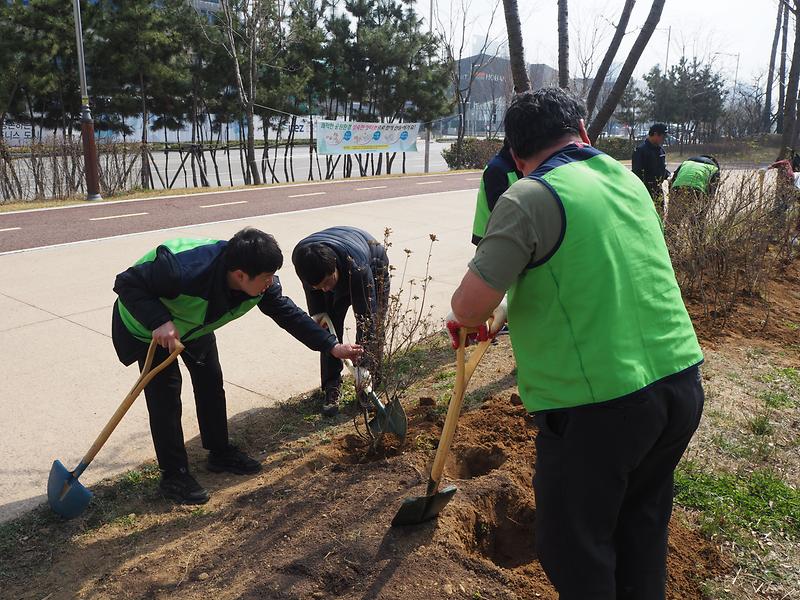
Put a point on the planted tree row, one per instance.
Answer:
(252, 68)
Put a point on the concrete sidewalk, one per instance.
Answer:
(62, 380)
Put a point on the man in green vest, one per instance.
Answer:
(700, 174)
(497, 177)
(697, 178)
(607, 358)
(183, 290)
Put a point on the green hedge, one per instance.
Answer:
(475, 153)
(616, 147)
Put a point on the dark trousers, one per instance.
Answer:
(367, 333)
(163, 396)
(604, 485)
(331, 367)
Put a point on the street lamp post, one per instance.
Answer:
(90, 165)
(736, 72)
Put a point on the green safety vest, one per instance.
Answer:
(695, 175)
(188, 312)
(482, 211)
(602, 317)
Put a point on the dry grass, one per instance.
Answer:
(750, 429)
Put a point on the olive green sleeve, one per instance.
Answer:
(525, 226)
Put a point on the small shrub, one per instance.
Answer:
(722, 246)
(760, 425)
(473, 153)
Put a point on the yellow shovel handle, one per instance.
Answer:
(145, 377)
(464, 371)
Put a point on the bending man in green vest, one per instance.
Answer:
(606, 354)
(184, 290)
(696, 179)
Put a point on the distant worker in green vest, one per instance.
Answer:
(184, 290)
(698, 173)
(497, 177)
(607, 358)
(696, 179)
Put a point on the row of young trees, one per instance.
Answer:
(178, 70)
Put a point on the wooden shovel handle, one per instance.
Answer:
(145, 377)
(464, 371)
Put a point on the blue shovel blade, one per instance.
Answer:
(65, 494)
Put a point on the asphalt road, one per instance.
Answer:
(22, 230)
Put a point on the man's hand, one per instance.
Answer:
(320, 320)
(166, 336)
(351, 351)
(481, 334)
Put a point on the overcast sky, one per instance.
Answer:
(710, 29)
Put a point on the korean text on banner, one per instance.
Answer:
(351, 137)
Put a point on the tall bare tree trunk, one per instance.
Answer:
(247, 90)
(516, 52)
(782, 71)
(563, 45)
(766, 121)
(145, 120)
(613, 47)
(605, 112)
(790, 100)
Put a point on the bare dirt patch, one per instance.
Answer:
(315, 523)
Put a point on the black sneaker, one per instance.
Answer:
(182, 487)
(232, 460)
(330, 406)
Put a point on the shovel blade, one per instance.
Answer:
(417, 510)
(65, 494)
(390, 418)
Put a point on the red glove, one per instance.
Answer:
(453, 328)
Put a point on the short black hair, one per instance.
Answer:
(712, 158)
(657, 129)
(536, 120)
(313, 262)
(254, 252)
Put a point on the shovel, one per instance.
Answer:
(65, 494)
(422, 508)
(389, 418)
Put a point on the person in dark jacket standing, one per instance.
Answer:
(649, 163)
(342, 267)
(184, 290)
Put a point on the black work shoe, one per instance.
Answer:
(232, 460)
(330, 406)
(182, 487)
